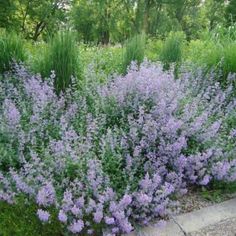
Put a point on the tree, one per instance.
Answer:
(83, 19)
(38, 16)
(231, 11)
(7, 13)
(150, 14)
(215, 12)
(102, 20)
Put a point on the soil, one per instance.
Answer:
(195, 200)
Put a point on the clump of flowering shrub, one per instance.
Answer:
(110, 157)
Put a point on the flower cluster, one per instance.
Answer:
(110, 156)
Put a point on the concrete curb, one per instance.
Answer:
(194, 221)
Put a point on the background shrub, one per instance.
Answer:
(11, 50)
(106, 60)
(153, 49)
(134, 51)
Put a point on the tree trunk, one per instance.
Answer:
(38, 30)
(142, 16)
(105, 37)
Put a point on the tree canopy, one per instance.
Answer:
(108, 21)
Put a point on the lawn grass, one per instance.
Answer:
(21, 220)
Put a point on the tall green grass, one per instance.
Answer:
(61, 56)
(216, 49)
(11, 50)
(134, 51)
(219, 56)
(229, 59)
(172, 49)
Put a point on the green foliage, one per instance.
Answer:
(134, 51)
(21, 220)
(39, 17)
(172, 49)
(113, 164)
(106, 60)
(153, 49)
(102, 21)
(61, 56)
(214, 13)
(11, 50)
(7, 10)
(84, 21)
(217, 51)
(231, 11)
(222, 34)
(204, 53)
(229, 59)
(219, 191)
(114, 21)
(8, 156)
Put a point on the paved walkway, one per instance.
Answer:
(216, 220)
(223, 228)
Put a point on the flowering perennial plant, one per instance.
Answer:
(110, 157)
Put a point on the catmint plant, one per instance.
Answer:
(110, 157)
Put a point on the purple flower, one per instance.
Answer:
(67, 200)
(11, 113)
(205, 180)
(125, 201)
(109, 220)
(116, 152)
(126, 226)
(90, 231)
(46, 195)
(76, 210)
(98, 215)
(143, 199)
(221, 170)
(62, 216)
(77, 226)
(43, 215)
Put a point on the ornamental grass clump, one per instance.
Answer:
(11, 51)
(112, 156)
(134, 51)
(171, 52)
(61, 56)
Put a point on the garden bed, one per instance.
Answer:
(111, 157)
